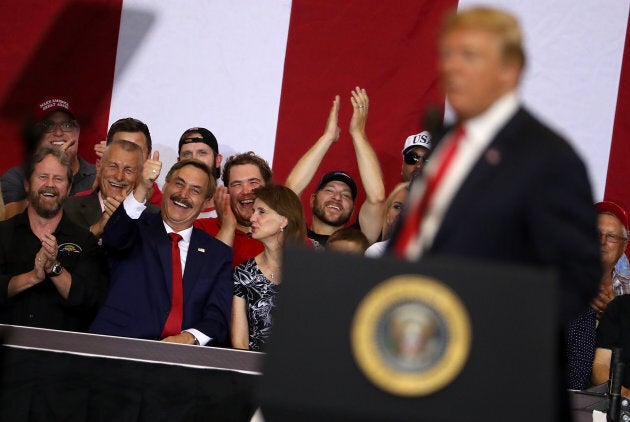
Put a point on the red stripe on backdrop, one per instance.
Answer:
(59, 48)
(618, 175)
(387, 48)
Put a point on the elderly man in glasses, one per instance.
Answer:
(612, 222)
(415, 154)
(613, 238)
(55, 126)
(614, 323)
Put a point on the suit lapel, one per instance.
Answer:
(488, 166)
(194, 262)
(161, 243)
(92, 207)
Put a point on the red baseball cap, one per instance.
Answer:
(614, 209)
(51, 104)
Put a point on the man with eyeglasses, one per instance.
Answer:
(613, 238)
(415, 154)
(613, 302)
(55, 126)
(612, 222)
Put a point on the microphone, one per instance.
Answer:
(433, 122)
(616, 375)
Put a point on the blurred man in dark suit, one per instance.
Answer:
(501, 185)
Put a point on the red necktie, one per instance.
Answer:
(410, 227)
(173, 323)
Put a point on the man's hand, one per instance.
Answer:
(603, 298)
(49, 249)
(39, 267)
(66, 145)
(99, 148)
(223, 208)
(332, 130)
(183, 338)
(150, 171)
(360, 104)
(111, 204)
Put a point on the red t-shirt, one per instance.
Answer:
(244, 246)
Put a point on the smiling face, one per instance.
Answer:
(266, 223)
(57, 137)
(184, 195)
(119, 171)
(243, 179)
(613, 245)
(333, 204)
(48, 187)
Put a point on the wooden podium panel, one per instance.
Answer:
(511, 371)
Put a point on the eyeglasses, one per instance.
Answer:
(412, 158)
(68, 126)
(611, 238)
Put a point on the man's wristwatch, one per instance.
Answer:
(55, 270)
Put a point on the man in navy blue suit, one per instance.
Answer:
(513, 191)
(142, 289)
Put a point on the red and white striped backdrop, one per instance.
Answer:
(262, 75)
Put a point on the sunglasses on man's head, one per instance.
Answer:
(411, 158)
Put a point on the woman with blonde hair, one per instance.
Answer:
(393, 207)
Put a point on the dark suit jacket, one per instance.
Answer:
(139, 299)
(83, 210)
(86, 210)
(528, 200)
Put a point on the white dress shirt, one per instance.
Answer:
(134, 209)
(478, 133)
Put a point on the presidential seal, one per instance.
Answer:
(411, 335)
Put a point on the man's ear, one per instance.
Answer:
(312, 200)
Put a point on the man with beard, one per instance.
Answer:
(332, 203)
(52, 273)
(120, 168)
(57, 127)
(234, 201)
(170, 281)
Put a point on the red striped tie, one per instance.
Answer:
(173, 323)
(410, 226)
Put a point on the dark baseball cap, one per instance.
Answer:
(339, 176)
(206, 138)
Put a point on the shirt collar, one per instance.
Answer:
(185, 234)
(485, 126)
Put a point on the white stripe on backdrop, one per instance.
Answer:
(216, 64)
(219, 64)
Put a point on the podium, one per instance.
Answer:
(489, 349)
